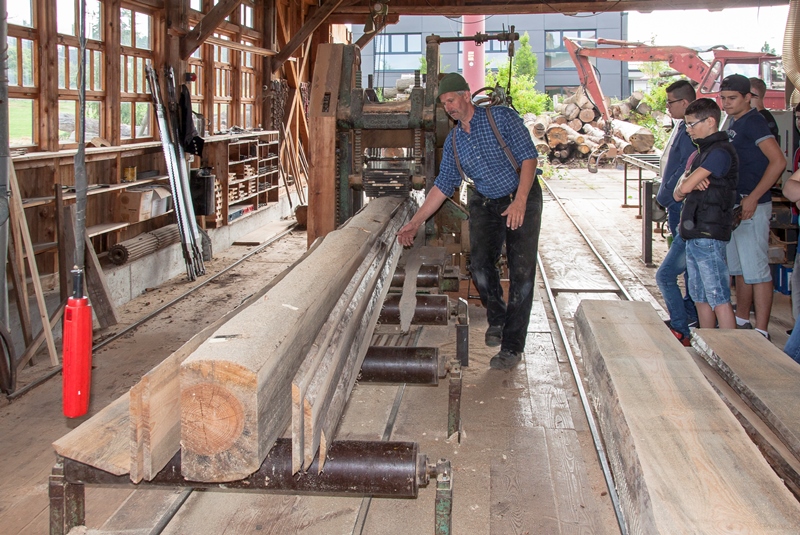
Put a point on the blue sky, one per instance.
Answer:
(741, 28)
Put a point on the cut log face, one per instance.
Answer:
(236, 387)
(641, 138)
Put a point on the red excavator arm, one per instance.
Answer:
(682, 59)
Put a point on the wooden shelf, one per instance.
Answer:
(99, 188)
(104, 228)
(236, 162)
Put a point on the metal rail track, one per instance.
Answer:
(595, 432)
(55, 371)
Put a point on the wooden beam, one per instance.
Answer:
(155, 412)
(765, 377)
(681, 461)
(236, 388)
(305, 32)
(206, 27)
(258, 51)
(99, 441)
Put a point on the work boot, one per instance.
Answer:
(686, 341)
(505, 360)
(494, 335)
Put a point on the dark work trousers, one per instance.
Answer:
(487, 233)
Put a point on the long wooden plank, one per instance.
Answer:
(155, 412)
(355, 356)
(18, 218)
(764, 376)
(323, 384)
(306, 373)
(99, 441)
(681, 461)
(236, 387)
(774, 450)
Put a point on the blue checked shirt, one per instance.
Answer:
(481, 157)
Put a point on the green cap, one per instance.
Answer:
(452, 82)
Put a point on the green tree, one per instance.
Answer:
(524, 58)
(523, 71)
(767, 49)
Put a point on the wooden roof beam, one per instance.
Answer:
(205, 28)
(314, 22)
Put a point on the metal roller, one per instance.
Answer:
(430, 310)
(428, 277)
(414, 365)
(391, 469)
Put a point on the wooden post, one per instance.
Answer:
(322, 152)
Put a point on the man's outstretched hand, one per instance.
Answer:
(407, 234)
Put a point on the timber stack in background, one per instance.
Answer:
(575, 128)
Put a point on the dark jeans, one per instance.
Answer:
(487, 233)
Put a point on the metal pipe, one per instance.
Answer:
(390, 469)
(427, 277)
(5, 161)
(390, 364)
(430, 310)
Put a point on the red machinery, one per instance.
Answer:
(681, 59)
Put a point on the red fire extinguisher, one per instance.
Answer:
(77, 353)
(77, 339)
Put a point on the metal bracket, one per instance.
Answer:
(454, 402)
(444, 497)
(462, 333)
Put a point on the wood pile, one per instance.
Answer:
(236, 389)
(575, 129)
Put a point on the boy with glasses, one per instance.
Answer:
(676, 154)
(708, 192)
(761, 163)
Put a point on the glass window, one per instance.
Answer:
(125, 27)
(20, 121)
(398, 52)
(197, 5)
(142, 26)
(555, 53)
(94, 25)
(20, 12)
(246, 16)
(65, 17)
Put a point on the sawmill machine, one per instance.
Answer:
(394, 148)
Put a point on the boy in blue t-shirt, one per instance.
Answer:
(708, 192)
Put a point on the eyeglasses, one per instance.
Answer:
(692, 125)
(671, 102)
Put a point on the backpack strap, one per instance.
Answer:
(458, 162)
(500, 140)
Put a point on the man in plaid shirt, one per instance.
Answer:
(505, 208)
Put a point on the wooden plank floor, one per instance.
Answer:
(517, 424)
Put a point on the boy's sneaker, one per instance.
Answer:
(683, 339)
(494, 335)
(747, 325)
(505, 360)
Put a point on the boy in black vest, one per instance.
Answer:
(709, 193)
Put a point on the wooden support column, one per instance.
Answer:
(111, 104)
(48, 81)
(322, 149)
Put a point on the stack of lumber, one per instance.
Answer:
(576, 130)
(680, 460)
(225, 397)
(236, 388)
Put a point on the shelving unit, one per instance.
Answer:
(39, 173)
(246, 167)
